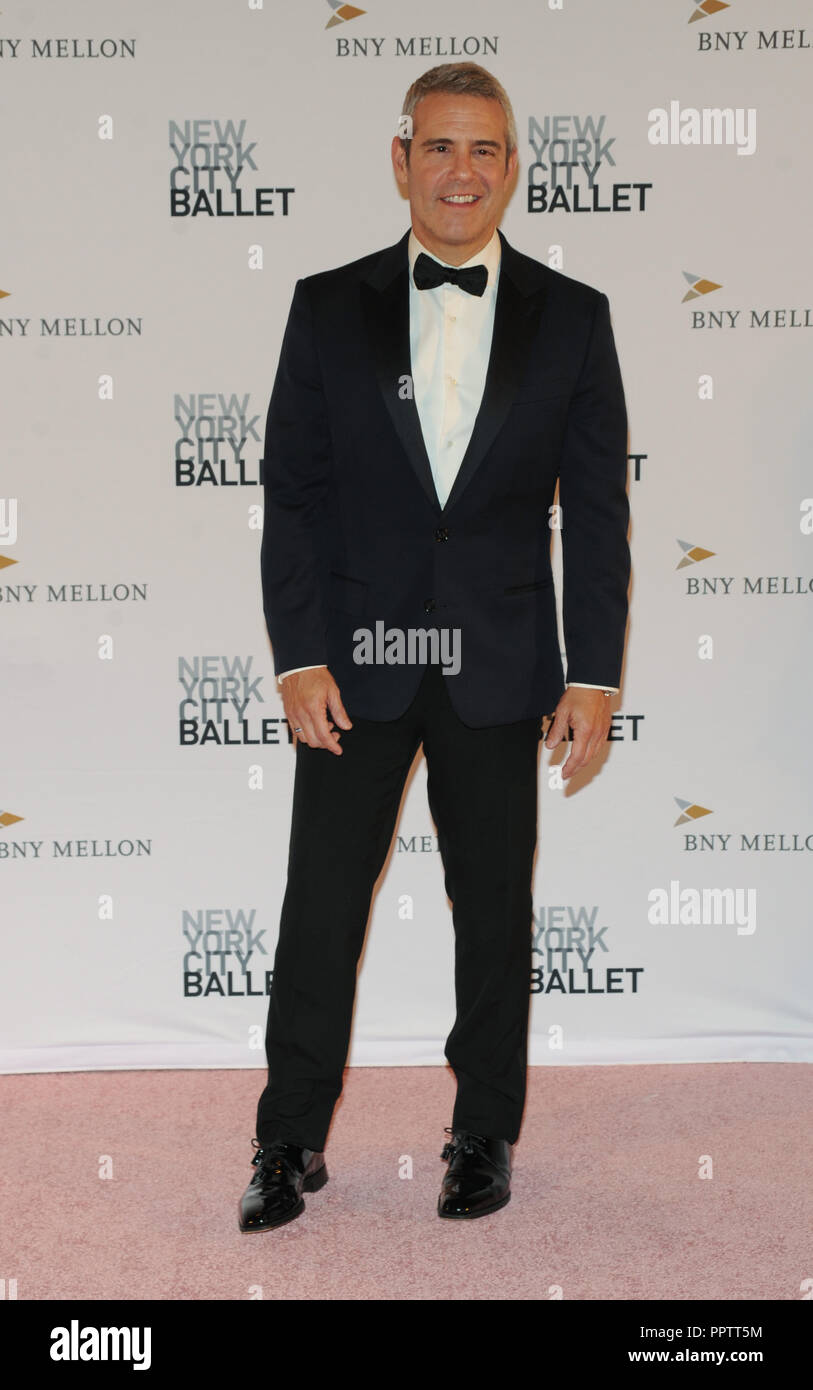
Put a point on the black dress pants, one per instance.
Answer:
(482, 786)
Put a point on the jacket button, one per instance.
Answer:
(429, 605)
(442, 533)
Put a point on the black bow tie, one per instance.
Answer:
(428, 274)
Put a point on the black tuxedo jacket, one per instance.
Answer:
(354, 533)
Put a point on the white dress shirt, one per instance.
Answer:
(450, 334)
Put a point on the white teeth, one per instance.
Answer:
(461, 198)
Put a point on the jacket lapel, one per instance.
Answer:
(385, 305)
(516, 321)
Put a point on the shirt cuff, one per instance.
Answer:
(281, 677)
(582, 685)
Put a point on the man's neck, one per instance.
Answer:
(453, 255)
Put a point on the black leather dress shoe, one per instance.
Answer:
(274, 1195)
(478, 1179)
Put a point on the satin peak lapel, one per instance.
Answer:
(385, 306)
(516, 321)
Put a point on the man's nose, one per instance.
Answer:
(462, 167)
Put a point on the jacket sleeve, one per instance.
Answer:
(595, 513)
(296, 469)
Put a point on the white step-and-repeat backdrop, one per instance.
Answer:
(169, 170)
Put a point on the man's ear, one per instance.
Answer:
(399, 160)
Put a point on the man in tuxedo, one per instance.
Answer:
(427, 399)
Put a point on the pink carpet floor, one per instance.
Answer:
(607, 1202)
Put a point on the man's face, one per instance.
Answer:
(456, 178)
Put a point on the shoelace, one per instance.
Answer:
(466, 1143)
(272, 1160)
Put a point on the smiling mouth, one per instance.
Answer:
(461, 199)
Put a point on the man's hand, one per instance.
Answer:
(586, 712)
(307, 695)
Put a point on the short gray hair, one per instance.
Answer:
(462, 79)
